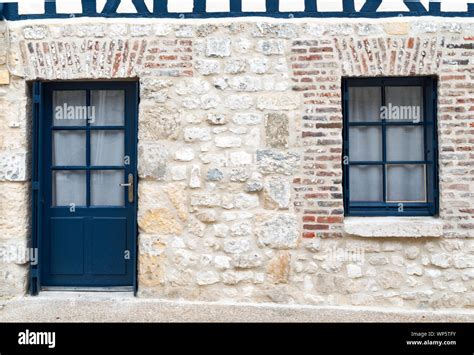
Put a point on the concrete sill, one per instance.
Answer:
(393, 227)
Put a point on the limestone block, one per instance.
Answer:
(222, 262)
(247, 261)
(235, 66)
(184, 154)
(393, 227)
(215, 175)
(228, 141)
(278, 101)
(239, 102)
(397, 28)
(192, 86)
(246, 83)
(353, 271)
(247, 118)
(390, 279)
(35, 32)
(270, 161)
(159, 221)
(207, 278)
(277, 130)
(178, 172)
(278, 268)
(237, 246)
(208, 67)
(218, 47)
(271, 46)
(195, 177)
(277, 231)
(15, 221)
(258, 65)
(197, 134)
(277, 192)
(13, 166)
(152, 160)
(178, 196)
(237, 277)
(279, 30)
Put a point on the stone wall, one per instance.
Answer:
(14, 187)
(240, 191)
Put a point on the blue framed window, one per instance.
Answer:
(390, 146)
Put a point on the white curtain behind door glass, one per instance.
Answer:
(65, 102)
(69, 187)
(106, 189)
(109, 107)
(69, 148)
(107, 148)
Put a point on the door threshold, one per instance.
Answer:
(88, 289)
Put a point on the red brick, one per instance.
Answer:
(315, 227)
(332, 219)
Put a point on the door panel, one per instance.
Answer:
(109, 241)
(67, 246)
(89, 140)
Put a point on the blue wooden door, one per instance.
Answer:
(88, 184)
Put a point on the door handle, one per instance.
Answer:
(130, 188)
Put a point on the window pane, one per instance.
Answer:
(108, 107)
(365, 183)
(364, 104)
(406, 183)
(107, 148)
(106, 189)
(69, 187)
(69, 108)
(404, 103)
(69, 148)
(405, 143)
(365, 143)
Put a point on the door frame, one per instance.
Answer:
(38, 183)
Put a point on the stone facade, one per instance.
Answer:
(240, 145)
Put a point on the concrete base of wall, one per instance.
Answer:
(123, 307)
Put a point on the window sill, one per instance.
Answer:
(393, 227)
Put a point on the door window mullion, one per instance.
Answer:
(88, 150)
(384, 148)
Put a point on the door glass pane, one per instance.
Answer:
(69, 187)
(404, 103)
(366, 183)
(108, 107)
(365, 143)
(364, 104)
(69, 148)
(106, 189)
(69, 108)
(107, 148)
(406, 183)
(405, 143)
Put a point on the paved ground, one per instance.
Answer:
(118, 307)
